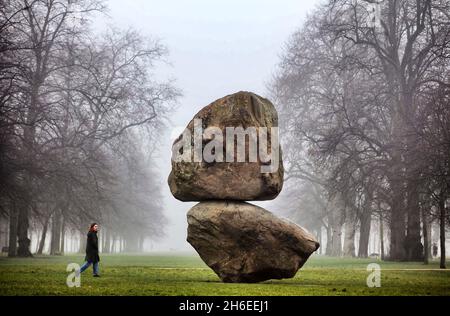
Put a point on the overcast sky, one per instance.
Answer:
(215, 48)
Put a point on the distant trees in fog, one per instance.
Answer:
(80, 114)
(364, 106)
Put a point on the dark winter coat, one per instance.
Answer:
(92, 248)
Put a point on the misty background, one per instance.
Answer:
(216, 48)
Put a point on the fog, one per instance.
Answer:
(215, 48)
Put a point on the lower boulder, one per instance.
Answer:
(242, 242)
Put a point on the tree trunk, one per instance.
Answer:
(364, 234)
(442, 229)
(101, 239)
(6, 234)
(141, 244)
(63, 235)
(83, 240)
(435, 237)
(107, 242)
(22, 228)
(38, 240)
(12, 246)
(72, 241)
(381, 238)
(397, 223)
(44, 234)
(1, 235)
(426, 240)
(336, 244)
(319, 238)
(413, 245)
(55, 245)
(113, 244)
(397, 227)
(429, 236)
(25, 203)
(349, 240)
(329, 240)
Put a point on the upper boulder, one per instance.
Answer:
(229, 150)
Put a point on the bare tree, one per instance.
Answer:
(350, 94)
(78, 109)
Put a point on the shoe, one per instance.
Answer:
(96, 275)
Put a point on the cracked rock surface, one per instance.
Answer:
(242, 242)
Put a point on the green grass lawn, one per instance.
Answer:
(186, 274)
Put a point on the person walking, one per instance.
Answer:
(92, 256)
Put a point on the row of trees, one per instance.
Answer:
(363, 92)
(80, 115)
